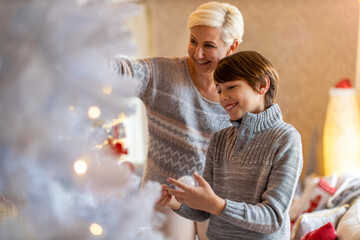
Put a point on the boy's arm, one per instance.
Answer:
(210, 203)
(201, 198)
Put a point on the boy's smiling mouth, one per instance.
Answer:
(230, 106)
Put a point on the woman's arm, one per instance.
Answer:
(140, 70)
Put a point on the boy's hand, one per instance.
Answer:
(201, 197)
(166, 199)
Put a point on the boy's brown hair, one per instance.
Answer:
(251, 67)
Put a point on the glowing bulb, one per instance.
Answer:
(107, 89)
(71, 108)
(80, 167)
(94, 112)
(96, 229)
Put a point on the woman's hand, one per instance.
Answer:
(201, 197)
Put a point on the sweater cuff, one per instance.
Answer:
(181, 209)
(233, 210)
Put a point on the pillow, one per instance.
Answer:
(326, 232)
(349, 225)
(346, 193)
(310, 221)
(315, 196)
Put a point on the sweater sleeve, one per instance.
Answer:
(139, 69)
(269, 215)
(194, 214)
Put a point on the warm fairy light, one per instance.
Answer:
(107, 89)
(71, 108)
(94, 112)
(96, 229)
(80, 167)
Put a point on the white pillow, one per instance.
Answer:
(346, 193)
(316, 194)
(310, 221)
(349, 225)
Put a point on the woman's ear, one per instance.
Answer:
(233, 47)
(264, 87)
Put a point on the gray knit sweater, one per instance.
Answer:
(255, 166)
(180, 121)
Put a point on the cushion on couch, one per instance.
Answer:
(315, 196)
(326, 232)
(346, 193)
(308, 222)
(349, 225)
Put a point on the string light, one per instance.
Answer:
(94, 112)
(96, 229)
(80, 167)
(107, 89)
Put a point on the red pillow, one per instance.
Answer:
(326, 232)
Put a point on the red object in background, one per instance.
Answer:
(129, 165)
(326, 232)
(118, 149)
(345, 83)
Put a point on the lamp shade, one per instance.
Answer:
(341, 140)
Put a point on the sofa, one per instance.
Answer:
(327, 208)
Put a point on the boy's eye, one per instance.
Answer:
(209, 46)
(193, 41)
(219, 91)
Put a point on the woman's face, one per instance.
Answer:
(206, 48)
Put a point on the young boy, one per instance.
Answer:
(253, 167)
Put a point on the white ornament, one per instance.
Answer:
(188, 180)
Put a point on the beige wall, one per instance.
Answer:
(312, 43)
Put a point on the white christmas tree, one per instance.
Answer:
(61, 128)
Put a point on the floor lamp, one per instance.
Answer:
(341, 140)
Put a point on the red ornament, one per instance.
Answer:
(115, 147)
(118, 149)
(113, 144)
(345, 83)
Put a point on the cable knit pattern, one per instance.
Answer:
(255, 166)
(180, 121)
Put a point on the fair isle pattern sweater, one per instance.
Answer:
(255, 167)
(180, 121)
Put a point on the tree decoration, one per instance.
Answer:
(56, 93)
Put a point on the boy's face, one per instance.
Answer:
(238, 98)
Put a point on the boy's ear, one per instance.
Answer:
(265, 86)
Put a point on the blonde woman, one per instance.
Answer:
(182, 102)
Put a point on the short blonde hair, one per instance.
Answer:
(220, 15)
